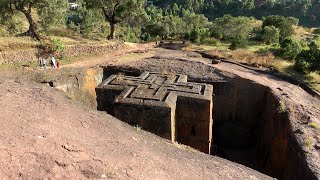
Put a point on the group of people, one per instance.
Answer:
(53, 62)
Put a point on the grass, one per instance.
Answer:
(16, 43)
(314, 125)
(137, 127)
(301, 32)
(31, 64)
(10, 44)
(287, 67)
(21, 43)
(185, 147)
(281, 109)
(309, 142)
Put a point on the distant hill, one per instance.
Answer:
(307, 11)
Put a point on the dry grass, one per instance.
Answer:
(248, 57)
(16, 43)
(267, 59)
(287, 67)
(301, 32)
(184, 147)
(256, 23)
(22, 43)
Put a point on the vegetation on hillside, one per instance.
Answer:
(231, 24)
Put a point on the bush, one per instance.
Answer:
(309, 60)
(282, 23)
(50, 47)
(198, 35)
(302, 66)
(212, 41)
(290, 48)
(316, 31)
(57, 45)
(240, 41)
(270, 34)
(194, 36)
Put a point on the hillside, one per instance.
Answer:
(45, 135)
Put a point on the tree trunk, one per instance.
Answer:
(32, 31)
(112, 28)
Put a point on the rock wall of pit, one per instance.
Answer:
(77, 83)
(245, 114)
(278, 152)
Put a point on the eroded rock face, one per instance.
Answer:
(45, 135)
(245, 114)
(278, 152)
(164, 104)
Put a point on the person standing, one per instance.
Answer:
(53, 62)
(40, 61)
(58, 64)
(44, 63)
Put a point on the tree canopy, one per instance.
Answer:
(116, 11)
(48, 11)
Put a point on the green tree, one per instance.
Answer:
(270, 34)
(309, 59)
(228, 27)
(52, 13)
(85, 21)
(29, 7)
(198, 35)
(290, 48)
(285, 25)
(116, 11)
(240, 41)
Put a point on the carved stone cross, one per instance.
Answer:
(164, 104)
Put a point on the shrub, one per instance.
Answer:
(240, 41)
(310, 58)
(270, 34)
(316, 31)
(194, 36)
(57, 45)
(290, 48)
(285, 25)
(301, 66)
(212, 41)
(198, 35)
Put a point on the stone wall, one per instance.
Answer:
(191, 121)
(29, 55)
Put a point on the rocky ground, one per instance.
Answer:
(45, 134)
(304, 109)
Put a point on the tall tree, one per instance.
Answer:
(28, 8)
(116, 11)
